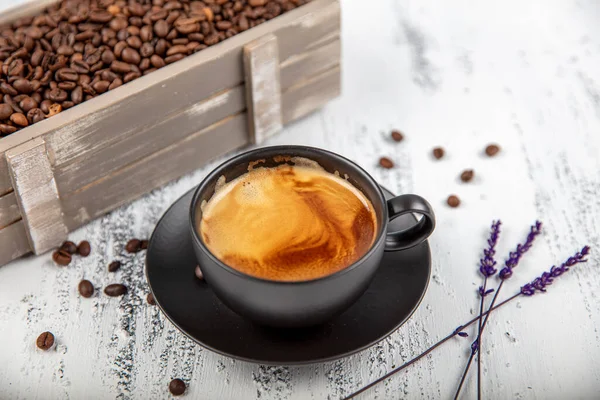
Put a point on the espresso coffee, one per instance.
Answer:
(288, 223)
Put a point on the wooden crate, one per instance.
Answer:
(69, 169)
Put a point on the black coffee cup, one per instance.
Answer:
(296, 304)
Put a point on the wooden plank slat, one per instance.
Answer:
(9, 209)
(263, 92)
(146, 140)
(161, 167)
(307, 96)
(37, 195)
(13, 242)
(94, 124)
(303, 66)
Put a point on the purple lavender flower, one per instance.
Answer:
(487, 263)
(546, 279)
(483, 293)
(515, 256)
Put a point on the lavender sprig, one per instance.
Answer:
(487, 268)
(526, 290)
(540, 283)
(513, 261)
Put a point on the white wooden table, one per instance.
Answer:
(461, 75)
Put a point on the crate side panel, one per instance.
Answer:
(306, 65)
(13, 242)
(146, 140)
(151, 172)
(9, 209)
(307, 96)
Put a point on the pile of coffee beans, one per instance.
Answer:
(79, 49)
(68, 249)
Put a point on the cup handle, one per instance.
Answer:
(417, 234)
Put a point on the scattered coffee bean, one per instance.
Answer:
(492, 149)
(133, 246)
(57, 55)
(61, 257)
(177, 387)
(467, 175)
(453, 201)
(84, 248)
(114, 266)
(86, 289)
(69, 247)
(116, 289)
(45, 341)
(150, 299)
(386, 163)
(199, 273)
(143, 245)
(438, 152)
(397, 136)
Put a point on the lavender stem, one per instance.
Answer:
(479, 329)
(430, 349)
(464, 375)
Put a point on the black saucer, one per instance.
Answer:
(190, 304)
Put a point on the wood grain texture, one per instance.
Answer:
(37, 195)
(172, 161)
(310, 94)
(9, 209)
(13, 242)
(263, 91)
(145, 140)
(304, 66)
(446, 74)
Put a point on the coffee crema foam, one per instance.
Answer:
(288, 223)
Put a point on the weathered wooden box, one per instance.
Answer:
(69, 169)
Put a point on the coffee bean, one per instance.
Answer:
(257, 3)
(100, 16)
(174, 58)
(61, 257)
(133, 246)
(28, 103)
(157, 61)
(386, 163)
(101, 86)
(115, 84)
(5, 111)
(35, 115)
(177, 387)
(86, 289)
(150, 299)
(84, 249)
(114, 290)
(179, 49)
(23, 86)
(143, 244)
(467, 175)
(19, 119)
(114, 266)
(120, 67)
(7, 129)
(453, 201)
(397, 136)
(134, 42)
(492, 149)
(130, 56)
(45, 341)
(161, 28)
(438, 152)
(69, 247)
